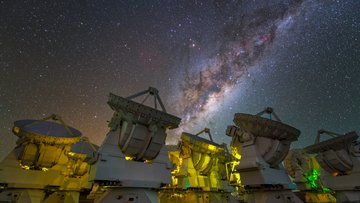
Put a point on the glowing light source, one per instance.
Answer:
(147, 161)
(212, 147)
(235, 153)
(129, 158)
(26, 167)
(311, 177)
(71, 153)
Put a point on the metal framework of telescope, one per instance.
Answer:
(200, 172)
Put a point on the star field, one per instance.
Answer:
(209, 60)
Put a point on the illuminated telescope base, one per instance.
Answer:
(315, 196)
(35, 196)
(347, 187)
(125, 195)
(195, 195)
(272, 196)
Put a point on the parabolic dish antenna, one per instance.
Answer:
(336, 143)
(55, 131)
(263, 127)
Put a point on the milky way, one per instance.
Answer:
(244, 41)
(209, 60)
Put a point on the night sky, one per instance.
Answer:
(209, 60)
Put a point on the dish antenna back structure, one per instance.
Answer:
(200, 172)
(339, 158)
(263, 143)
(133, 161)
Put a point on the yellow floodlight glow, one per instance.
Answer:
(129, 158)
(235, 153)
(148, 161)
(212, 147)
(26, 167)
(71, 153)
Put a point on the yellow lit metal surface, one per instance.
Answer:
(129, 158)
(148, 161)
(199, 164)
(71, 153)
(335, 174)
(212, 147)
(235, 152)
(319, 197)
(16, 130)
(49, 155)
(29, 154)
(26, 167)
(36, 138)
(233, 176)
(171, 196)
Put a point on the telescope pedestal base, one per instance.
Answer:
(347, 187)
(348, 196)
(22, 196)
(315, 196)
(180, 196)
(36, 196)
(272, 197)
(125, 195)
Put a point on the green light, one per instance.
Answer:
(311, 178)
(327, 190)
